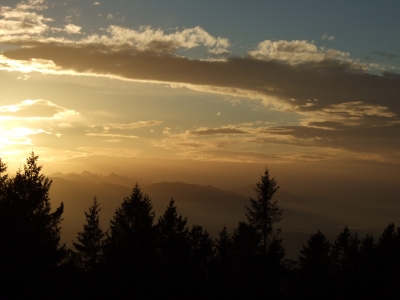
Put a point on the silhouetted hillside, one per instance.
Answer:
(78, 196)
(211, 207)
(306, 211)
(206, 205)
(151, 255)
(214, 208)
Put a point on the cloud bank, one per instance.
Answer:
(344, 106)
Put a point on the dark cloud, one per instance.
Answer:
(310, 86)
(213, 131)
(347, 107)
(385, 54)
(379, 139)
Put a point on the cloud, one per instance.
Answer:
(292, 87)
(108, 130)
(96, 3)
(112, 141)
(325, 36)
(134, 125)
(192, 145)
(252, 156)
(156, 40)
(319, 140)
(295, 52)
(386, 55)
(21, 21)
(32, 4)
(105, 129)
(72, 29)
(358, 109)
(35, 109)
(382, 141)
(18, 136)
(112, 135)
(116, 152)
(213, 131)
(338, 100)
(21, 120)
(31, 65)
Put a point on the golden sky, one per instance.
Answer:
(87, 79)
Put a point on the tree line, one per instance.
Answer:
(141, 256)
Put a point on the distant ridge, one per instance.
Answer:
(95, 178)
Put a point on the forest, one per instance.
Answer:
(144, 256)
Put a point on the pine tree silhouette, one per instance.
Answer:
(130, 246)
(90, 240)
(174, 251)
(263, 213)
(32, 253)
(316, 268)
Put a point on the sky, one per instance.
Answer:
(256, 82)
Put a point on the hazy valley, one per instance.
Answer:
(214, 208)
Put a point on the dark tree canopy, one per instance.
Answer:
(139, 259)
(32, 250)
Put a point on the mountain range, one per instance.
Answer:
(212, 207)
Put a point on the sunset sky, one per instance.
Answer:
(221, 81)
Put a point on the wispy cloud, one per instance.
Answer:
(112, 135)
(213, 131)
(386, 55)
(325, 36)
(133, 125)
(31, 117)
(35, 109)
(23, 20)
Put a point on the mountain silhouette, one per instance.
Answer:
(208, 206)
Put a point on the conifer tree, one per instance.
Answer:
(170, 225)
(316, 268)
(246, 240)
(263, 213)
(89, 245)
(132, 224)
(173, 234)
(223, 245)
(130, 245)
(202, 246)
(3, 178)
(3, 187)
(173, 252)
(345, 252)
(202, 254)
(33, 251)
(388, 261)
